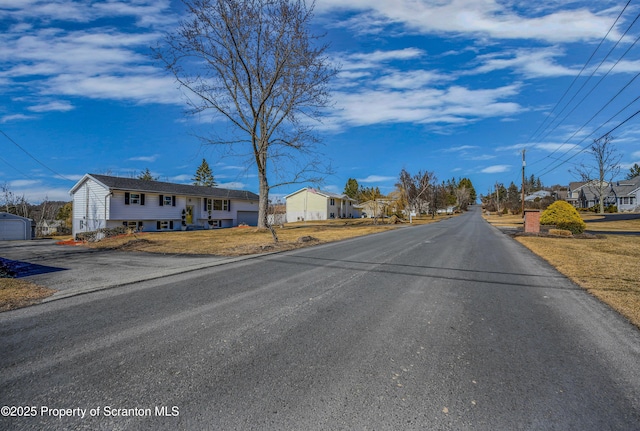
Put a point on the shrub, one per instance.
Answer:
(564, 216)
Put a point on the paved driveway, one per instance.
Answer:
(73, 270)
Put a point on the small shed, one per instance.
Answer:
(15, 228)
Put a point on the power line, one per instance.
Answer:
(32, 157)
(579, 74)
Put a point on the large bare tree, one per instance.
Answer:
(604, 167)
(256, 64)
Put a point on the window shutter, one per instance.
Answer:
(171, 224)
(161, 200)
(173, 201)
(229, 205)
(204, 200)
(158, 225)
(126, 198)
(141, 198)
(124, 223)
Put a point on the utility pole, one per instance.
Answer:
(523, 166)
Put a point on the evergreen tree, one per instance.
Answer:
(203, 176)
(351, 188)
(634, 171)
(146, 176)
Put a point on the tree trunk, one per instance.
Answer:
(263, 204)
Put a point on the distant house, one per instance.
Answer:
(312, 204)
(101, 201)
(15, 228)
(537, 195)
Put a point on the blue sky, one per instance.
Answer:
(457, 87)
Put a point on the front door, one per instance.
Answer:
(189, 217)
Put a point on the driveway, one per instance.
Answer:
(73, 270)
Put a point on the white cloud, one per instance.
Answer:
(14, 117)
(98, 62)
(455, 105)
(460, 148)
(496, 169)
(376, 179)
(149, 159)
(502, 20)
(532, 63)
(52, 106)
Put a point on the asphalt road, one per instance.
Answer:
(451, 326)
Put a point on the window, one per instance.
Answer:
(134, 199)
(217, 205)
(164, 225)
(332, 202)
(168, 200)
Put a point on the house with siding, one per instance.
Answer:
(312, 204)
(102, 201)
(625, 194)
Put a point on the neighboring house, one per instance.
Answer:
(375, 208)
(14, 227)
(101, 201)
(624, 194)
(49, 227)
(312, 204)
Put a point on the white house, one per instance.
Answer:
(313, 204)
(14, 227)
(101, 201)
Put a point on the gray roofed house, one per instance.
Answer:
(103, 201)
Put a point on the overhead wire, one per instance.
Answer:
(579, 74)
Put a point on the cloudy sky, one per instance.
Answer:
(457, 87)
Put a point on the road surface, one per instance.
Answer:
(450, 326)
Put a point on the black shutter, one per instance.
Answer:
(158, 225)
(161, 200)
(141, 198)
(171, 224)
(126, 198)
(124, 223)
(173, 201)
(229, 205)
(205, 204)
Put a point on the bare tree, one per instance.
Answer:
(256, 64)
(604, 168)
(416, 189)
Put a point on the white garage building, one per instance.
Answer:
(15, 228)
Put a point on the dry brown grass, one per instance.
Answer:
(248, 240)
(606, 267)
(15, 293)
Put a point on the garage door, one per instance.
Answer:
(248, 217)
(11, 230)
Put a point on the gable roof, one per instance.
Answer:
(321, 193)
(137, 185)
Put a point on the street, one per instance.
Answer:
(449, 326)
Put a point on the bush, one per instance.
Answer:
(564, 216)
